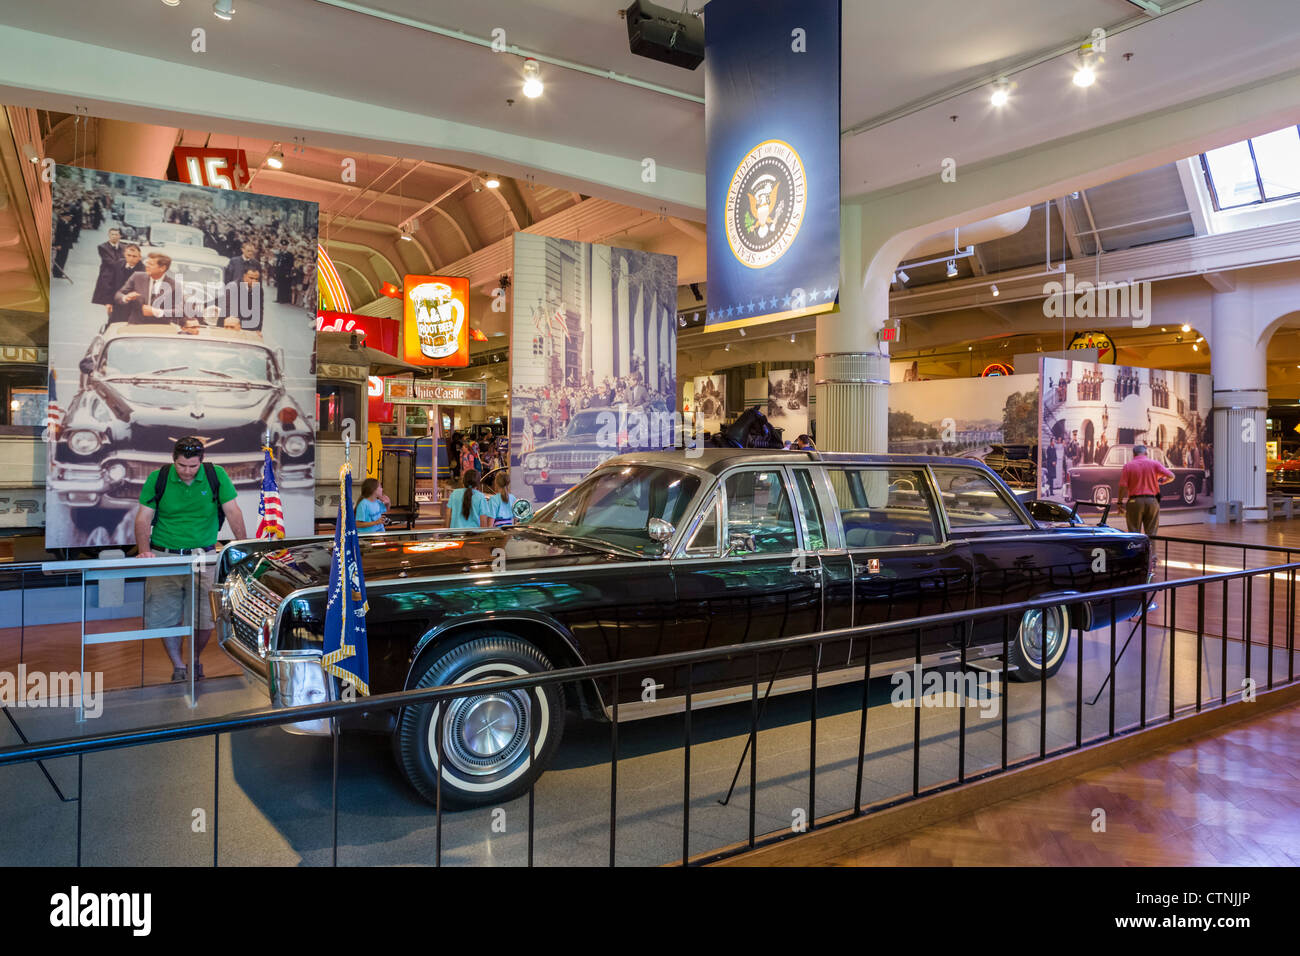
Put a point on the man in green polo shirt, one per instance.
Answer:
(182, 517)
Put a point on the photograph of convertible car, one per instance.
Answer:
(168, 319)
(1093, 415)
(654, 553)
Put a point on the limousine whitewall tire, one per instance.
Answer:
(1039, 626)
(485, 737)
(1189, 492)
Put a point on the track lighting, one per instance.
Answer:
(532, 79)
(727, 347)
(492, 182)
(994, 289)
(792, 338)
(1001, 92)
(902, 277)
(742, 333)
(275, 159)
(172, 3)
(952, 268)
(1085, 74)
(224, 9)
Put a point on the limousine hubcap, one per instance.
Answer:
(483, 734)
(1034, 628)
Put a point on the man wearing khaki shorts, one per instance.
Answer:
(181, 514)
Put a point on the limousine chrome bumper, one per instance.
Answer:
(292, 678)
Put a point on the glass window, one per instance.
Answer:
(972, 500)
(884, 507)
(758, 505)
(1256, 170)
(815, 539)
(705, 540)
(616, 505)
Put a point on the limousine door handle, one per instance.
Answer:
(817, 581)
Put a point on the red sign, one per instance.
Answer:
(381, 334)
(435, 320)
(205, 166)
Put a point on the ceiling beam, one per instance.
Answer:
(1220, 281)
(437, 199)
(1071, 225)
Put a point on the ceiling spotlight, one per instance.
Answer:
(1001, 92)
(902, 277)
(224, 9)
(492, 182)
(276, 159)
(727, 347)
(172, 3)
(952, 268)
(1200, 338)
(792, 341)
(994, 290)
(1195, 347)
(742, 333)
(681, 321)
(1186, 327)
(30, 152)
(1085, 74)
(532, 79)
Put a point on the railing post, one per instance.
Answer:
(1042, 683)
(334, 787)
(1173, 644)
(1272, 613)
(916, 720)
(812, 742)
(686, 772)
(1006, 684)
(216, 796)
(862, 729)
(1200, 640)
(1223, 647)
(613, 773)
(753, 750)
(1111, 718)
(1245, 627)
(1142, 689)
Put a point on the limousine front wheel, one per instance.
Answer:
(483, 742)
(1044, 633)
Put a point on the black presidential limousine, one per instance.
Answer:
(660, 552)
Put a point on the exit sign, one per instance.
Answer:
(888, 334)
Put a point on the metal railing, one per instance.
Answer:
(610, 675)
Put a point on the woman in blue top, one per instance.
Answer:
(467, 505)
(500, 512)
(371, 507)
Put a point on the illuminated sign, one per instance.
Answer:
(995, 369)
(405, 391)
(205, 166)
(435, 320)
(1095, 340)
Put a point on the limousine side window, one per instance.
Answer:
(814, 526)
(758, 504)
(705, 539)
(884, 507)
(971, 500)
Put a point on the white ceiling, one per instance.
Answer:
(893, 55)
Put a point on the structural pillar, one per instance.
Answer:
(852, 366)
(1238, 364)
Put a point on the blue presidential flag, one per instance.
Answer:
(772, 123)
(346, 654)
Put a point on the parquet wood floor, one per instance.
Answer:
(1231, 798)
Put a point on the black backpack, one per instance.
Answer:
(160, 486)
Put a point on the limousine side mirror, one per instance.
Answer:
(1053, 512)
(740, 542)
(660, 530)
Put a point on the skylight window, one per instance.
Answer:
(1257, 170)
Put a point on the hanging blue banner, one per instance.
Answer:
(772, 119)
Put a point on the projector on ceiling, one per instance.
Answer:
(663, 34)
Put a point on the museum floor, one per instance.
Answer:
(274, 790)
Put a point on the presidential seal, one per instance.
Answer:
(766, 202)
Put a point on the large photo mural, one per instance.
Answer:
(594, 367)
(175, 310)
(1093, 414)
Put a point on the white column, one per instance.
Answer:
(602, 316)
(638, 328)
(668, 347)
(624, 313)
(652, 348)
(852, 368)
(1238, 364)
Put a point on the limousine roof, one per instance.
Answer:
(715, 460)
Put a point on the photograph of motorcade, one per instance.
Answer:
(596, 374)
(175, 310)
(1092, 416)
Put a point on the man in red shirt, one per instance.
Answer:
(1140, 483)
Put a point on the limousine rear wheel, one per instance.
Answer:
(485, 737)
(1189, 492)
(1039, 627)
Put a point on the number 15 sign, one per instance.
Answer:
(205, 166)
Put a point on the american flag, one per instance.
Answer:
(53, 413)
(269, 507)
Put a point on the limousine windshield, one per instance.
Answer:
(615, 505)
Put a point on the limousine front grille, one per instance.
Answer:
(251, 603)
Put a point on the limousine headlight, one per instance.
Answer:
(83, 442)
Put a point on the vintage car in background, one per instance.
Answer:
(1285, 476)
(660, 552)
(593, 437)
(1100, 483)
(1014, 464)
(170, 235)
(144, 386)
